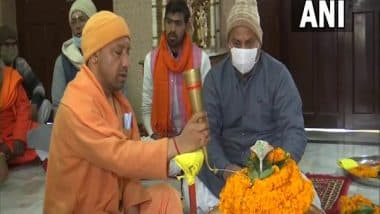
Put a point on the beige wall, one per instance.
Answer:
(139, 17)
(8, 13)
(225, 9)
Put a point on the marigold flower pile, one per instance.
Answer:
(357, 204)
(284, 191)
(366, 171)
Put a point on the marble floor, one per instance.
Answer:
(321, 158)
(23, 192)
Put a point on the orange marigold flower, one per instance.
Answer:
(285, 191)
(352, 204)
(276, 155)
(365, 171)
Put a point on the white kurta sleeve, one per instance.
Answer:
(205, 65)
(147, 92)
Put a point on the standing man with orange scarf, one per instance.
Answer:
(15, 117)
(165, 101)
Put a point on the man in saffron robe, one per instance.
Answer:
(41, 106)
(15, 118)
(96, 158)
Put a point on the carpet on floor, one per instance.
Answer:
(329, 189)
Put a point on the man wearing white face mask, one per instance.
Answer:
(69, 61)
(248, 96)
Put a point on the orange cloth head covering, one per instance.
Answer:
(101, 29)
(8, 92)
(165, 63)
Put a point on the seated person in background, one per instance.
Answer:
(69, 61)
(96, 158)
(15, 118)
(248, 96)
(41, 107)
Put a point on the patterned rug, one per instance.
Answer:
(329, 189)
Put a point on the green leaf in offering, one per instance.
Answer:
(266, 173)
(253, 164)
(253, 174)
(266, 165)
(365, 210)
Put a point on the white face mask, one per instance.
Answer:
(77, 41)
(243, 59)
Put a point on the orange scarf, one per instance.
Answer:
(8, 92)
(165, 63)
(86, 80)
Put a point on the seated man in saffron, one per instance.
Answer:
(15, 117)
(96, 158)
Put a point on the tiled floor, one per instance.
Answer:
(23, 192)
(320, 158)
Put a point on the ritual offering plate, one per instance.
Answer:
(362, 169)
(271, 182)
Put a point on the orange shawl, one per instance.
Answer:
(161, 102)
(11, 94)
(90, 153)
(8, 92)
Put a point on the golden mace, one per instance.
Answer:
(194, 87)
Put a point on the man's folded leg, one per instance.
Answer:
(165, 199)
